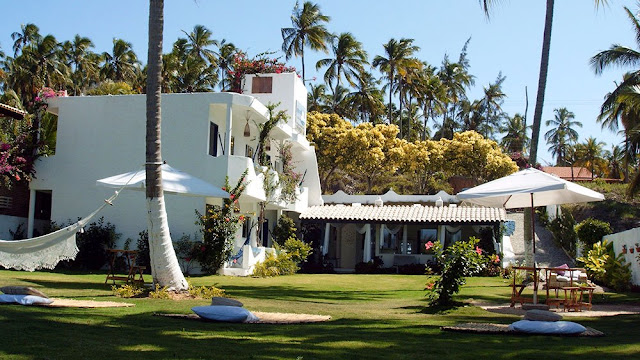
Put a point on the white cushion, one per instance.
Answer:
(24, 299)
(547, 327)
(223, 313)
(563, 278)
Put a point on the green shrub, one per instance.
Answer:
(284, 230)
(186, 251)
(461, 259)
(298, 250)
(205, 292)
(219, 225)
(160, 292)
(143, 258)
(275, 264)
(93, 244)
(605, 267)
(590, 231)
(127, 290)
(563, 230)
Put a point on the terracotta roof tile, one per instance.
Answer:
(564, 172)
(404, 213)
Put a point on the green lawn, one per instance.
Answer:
(373, 317)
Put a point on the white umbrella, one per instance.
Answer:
(174, 181)
(529, 188)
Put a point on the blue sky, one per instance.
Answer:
(510, 42)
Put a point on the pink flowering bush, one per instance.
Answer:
(219, 225)
(258, 65)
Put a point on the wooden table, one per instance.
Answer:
(572, 298)
(130, 261)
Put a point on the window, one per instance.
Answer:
(213, 139)
(248, 151)
(6, 202)
(233, 146)
(392, 241)
(246, 228)
(424, 236)
(262, 85)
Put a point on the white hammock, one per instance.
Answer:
(44, 252)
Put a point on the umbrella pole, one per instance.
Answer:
(533, 240)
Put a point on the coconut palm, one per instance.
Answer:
(367, 98)
(455, 78)
(226, 53)
(164, 263)
(562, 134)
(544, 67)
(28, 34)
(590, 154)
(82, 62)
(307, 29)
(432, 94)
(42, 58)
(317, 98)
(515, 139)
(198, 42)
(348, 59)
(122, 63)
(491, 103)
(396, 54)
(615, 159)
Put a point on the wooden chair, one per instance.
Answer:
(135, 270)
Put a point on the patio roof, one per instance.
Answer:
(10, 111)
(403, 214)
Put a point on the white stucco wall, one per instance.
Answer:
(105, 135)
(629, 238)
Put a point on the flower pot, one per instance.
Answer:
(624, 249)
(631, 250)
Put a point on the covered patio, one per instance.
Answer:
(396, 234)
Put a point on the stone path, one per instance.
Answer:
(547, 252)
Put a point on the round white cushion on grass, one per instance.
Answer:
(224, 313)
(24, 299)
(547, 327)
(542, 315)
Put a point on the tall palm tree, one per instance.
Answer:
(348, 59)
(164, 263)
(432, 94)
(590, 154)
(307, 29)
(28, 34)
(317, 98)
(198, 42)
(456, 78)
(544, 67)
(396, 54)
(43, 60)
(81, 61)
(515, 139)
(226, 52)
(367, 98)
(491, 103)
(122, 63)
(562, 134)
(616, 159)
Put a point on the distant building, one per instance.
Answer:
(576, 173)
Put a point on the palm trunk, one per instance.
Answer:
(542, 83)
(390, 97)
(165, 269)
(302, 57)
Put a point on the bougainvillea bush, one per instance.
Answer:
(261, 64)
(219, 225)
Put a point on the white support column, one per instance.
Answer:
(227, 134)
(32, 213)
(327, 234)
(367, 243)
(404, 239)
(380, 239)
(441, 234)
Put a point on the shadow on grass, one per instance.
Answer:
(72, 285)
(74, 333)
(305, 295)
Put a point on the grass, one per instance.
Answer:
(373, 317)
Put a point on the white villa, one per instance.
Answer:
(208, 135)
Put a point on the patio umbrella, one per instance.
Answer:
(529, 188)
(174, 181)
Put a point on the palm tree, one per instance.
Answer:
(308, 30)
(28, 34)
(367, 98)
(42, 58)
(562, 135)
(82, 62)
(226, 53)
(396, 55)
(455, 78)
(164, 263)
(317, 98)
(515, 139)
(348, 59)
(616, 159)
(544, 67)
(590, 154)
(122, 63)
(432, 95)
(198, 43)
(491, 103)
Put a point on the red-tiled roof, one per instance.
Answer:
(404, 214)
(564, 172)
(10, 111)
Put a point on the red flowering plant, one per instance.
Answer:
(219, 225)
(261, 64)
